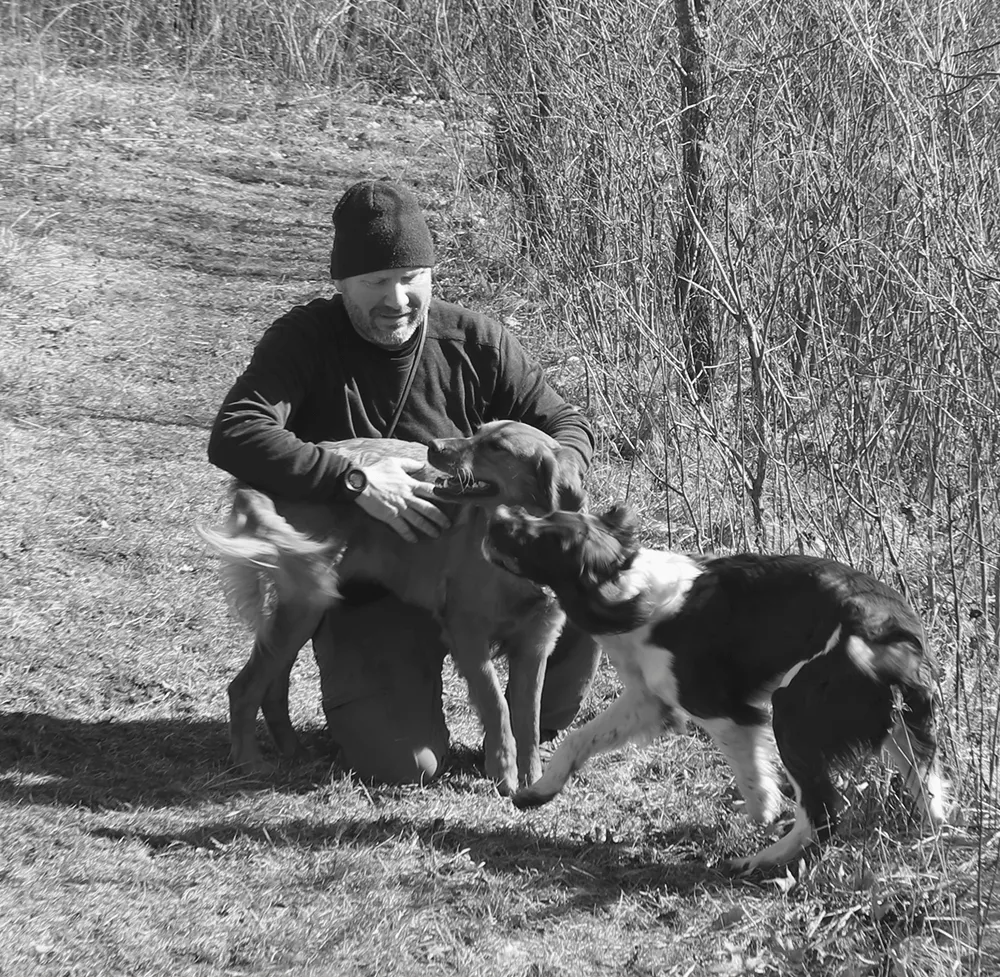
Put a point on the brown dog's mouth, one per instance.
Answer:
(457, 488)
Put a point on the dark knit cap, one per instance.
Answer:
(378, 224)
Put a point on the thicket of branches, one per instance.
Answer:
(854, 271)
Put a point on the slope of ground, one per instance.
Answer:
(149, 231)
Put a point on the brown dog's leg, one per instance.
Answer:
(275, 708)
(470, 650)
(528, 650)
(271, 658)
(524, 692)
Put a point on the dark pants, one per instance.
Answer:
(380, 671)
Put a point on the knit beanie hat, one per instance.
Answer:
(378, 224)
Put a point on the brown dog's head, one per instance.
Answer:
(583, 558)
(508, 463)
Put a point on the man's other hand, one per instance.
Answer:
(396, 498)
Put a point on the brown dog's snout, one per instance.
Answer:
(445, 448)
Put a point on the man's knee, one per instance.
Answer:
(568, 677)
(380, 669)
(402, 749)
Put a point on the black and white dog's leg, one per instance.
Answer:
(750, 750)
(815, 795)
(830, 711)
(633, 715)
(788, 847)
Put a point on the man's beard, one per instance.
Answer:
(380, 333)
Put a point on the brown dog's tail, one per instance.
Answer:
(266, 560)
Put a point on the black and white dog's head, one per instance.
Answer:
(585, 559)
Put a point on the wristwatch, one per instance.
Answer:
(352, 483)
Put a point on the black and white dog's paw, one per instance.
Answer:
(528, 797)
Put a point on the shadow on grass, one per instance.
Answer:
(112, 764)
(596, 872)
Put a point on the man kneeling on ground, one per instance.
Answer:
(384, 358)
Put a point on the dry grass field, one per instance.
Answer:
(150, 228)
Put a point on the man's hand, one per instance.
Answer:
(396, 498)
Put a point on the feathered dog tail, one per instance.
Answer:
(906, 663)
(266, 560)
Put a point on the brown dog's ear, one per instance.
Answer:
(560, 484)
(620, 521)
(569, 481)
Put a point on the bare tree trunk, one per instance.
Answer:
(349, 40)
(519, 137)
(693, 273)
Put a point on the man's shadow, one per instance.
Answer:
(177, 762)
(597, 873)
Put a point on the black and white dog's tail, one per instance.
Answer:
(898, 659)
(907, 666)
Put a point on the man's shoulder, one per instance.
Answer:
(311, 325)
(456, 323)
(316, 314)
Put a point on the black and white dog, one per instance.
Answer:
(842, 657)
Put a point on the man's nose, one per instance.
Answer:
(396, 296)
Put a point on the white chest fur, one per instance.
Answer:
(665, 578)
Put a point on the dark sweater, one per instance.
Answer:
(313, 378)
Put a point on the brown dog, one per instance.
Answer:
(285, 560)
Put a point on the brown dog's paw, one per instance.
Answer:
(499, 766)
(253, 766)
(506, 788)
(531, 776)
(506, 783)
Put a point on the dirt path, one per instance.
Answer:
(167, 226)
(150, 234)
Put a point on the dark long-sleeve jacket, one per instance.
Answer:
(313, 378)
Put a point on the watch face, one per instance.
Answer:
(356, 480)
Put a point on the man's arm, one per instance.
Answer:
(250, 438)
(522, 393)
